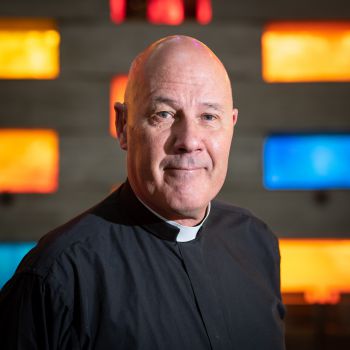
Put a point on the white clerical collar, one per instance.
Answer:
(186, 233)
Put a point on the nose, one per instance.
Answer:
(187, 136)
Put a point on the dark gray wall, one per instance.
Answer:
(93, 50)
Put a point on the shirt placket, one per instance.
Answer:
(205, 295)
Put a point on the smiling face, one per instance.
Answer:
(178, 129)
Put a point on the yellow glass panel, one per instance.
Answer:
(28, 160)
(318, 268)
(306, 52)
(117, 91)
(29, 49)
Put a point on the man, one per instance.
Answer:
(158, 264)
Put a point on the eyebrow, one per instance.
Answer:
(169, 101)
(213, 105)
(162, 99)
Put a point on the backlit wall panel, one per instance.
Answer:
(117, 91)
(307, 161)
(306, 52)
(317, 268)
(204, 12)
(171, 12)
(29, 49)
(117, 10)
(11, 253)
(29, 161)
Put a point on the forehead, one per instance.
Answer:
(191, 82)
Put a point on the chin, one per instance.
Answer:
(188, 205)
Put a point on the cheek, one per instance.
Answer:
(150, 149)
(219, 151)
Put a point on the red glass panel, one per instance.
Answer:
(117, 10)
(169, 12)
(204, 11)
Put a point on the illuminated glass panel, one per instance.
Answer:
(11, 255)
(169, 12)
(117, 10)
(307, 161)
(306, 51)
(28, 161)
(29, 49)
(203, 11)
(317, 268)
(117, 91)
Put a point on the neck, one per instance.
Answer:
(190, 221)
(182, 222)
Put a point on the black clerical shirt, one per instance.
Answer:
(115, 278)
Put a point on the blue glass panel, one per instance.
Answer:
(307, 161)
(10, 256)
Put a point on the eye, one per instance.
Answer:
(208, 117)
(161, 118)
(164, 114)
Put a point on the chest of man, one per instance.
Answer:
(149, 293)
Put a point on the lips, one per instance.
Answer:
(183, 168)
(184, 164)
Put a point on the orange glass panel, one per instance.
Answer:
(117, 91)
(306, 52)
(318, 268)
(203, 11)
(117, 10)
(169, 12)
(29, 49)
(28, 161)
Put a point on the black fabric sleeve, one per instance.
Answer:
(33, 315)
(281, 307)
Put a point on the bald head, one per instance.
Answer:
(174, 53)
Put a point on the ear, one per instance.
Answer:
(120, 124)
(234, 116)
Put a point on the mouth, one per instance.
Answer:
(181, 169)
(178, 164)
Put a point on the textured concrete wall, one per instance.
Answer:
(93, 50)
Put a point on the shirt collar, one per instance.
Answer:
(186, 233)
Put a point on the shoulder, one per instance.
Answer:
(64, 245)
(241, 226)
(221, 207)
(236, 216)
(67, 259)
